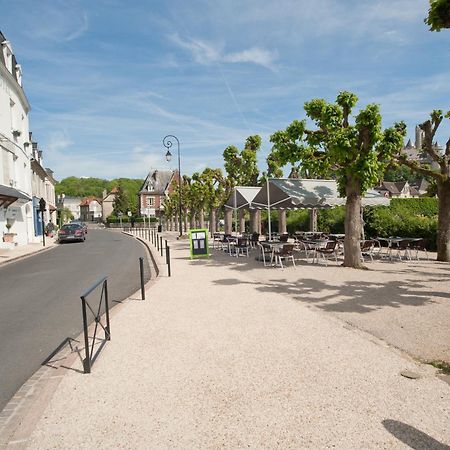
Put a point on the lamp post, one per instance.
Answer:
(167, 142)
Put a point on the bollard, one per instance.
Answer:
(168, 259)
(157, 242)
(160, 245)
(141, 267)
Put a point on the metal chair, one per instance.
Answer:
(301, 246)
(285, 252)
(265, 253)
(419, 245)
(329, 249)
(242, 245)
(367, 248)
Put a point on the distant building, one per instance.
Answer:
(90, 209)
(156, 187)
(70, 203)
(415, 152)
(398, 189)
(108, 202)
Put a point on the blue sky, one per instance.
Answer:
(108, 80)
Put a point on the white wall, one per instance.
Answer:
(14, 155)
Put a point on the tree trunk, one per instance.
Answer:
(313, 219)
(201, 217)
(228, 220)
(282, 221)
(443, 232)
(186, 223)
(352, 252)
(212, 221)
(255, 227)
(241, 220)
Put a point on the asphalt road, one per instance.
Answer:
(40, 302)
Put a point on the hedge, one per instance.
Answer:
(406, 217)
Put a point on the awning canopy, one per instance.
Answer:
(242, 197)
(295, 193)
(9, 195)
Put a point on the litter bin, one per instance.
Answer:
(159, 228)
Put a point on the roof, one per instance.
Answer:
(241, 197)
(87, 201)
(157, 182)
(305, 193)
(393, 187)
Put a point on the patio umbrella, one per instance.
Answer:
(241, 197)
(296, 193)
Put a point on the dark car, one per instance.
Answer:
(71, 232)
(79, 222)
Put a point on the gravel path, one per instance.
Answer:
(215, 359)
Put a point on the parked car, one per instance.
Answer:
(79, 222)
(71, 232)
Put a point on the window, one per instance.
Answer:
(150, 202)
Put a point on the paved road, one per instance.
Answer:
(40, 299)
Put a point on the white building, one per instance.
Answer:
(16, 209)
(42, 186)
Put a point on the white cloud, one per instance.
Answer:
(253, 55)
(206, 53)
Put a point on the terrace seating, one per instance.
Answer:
(330, 249)
(254, 239)
(304, 247)
(242, 246)
(265, 253)
(285, 252)
(419, 245)
(284, 237)
(367, 248)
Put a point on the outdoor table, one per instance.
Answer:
(393, 243)
(314, 244)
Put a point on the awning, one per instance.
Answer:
(9, 195)
(242, 197)
(295, 193)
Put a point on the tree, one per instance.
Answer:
(441, 175)
(120, 204)
(438, 15)
(356, 153)
(241, 166)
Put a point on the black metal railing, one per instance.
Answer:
(89, 349)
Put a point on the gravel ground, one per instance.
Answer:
(221, 356)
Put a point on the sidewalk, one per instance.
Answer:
(211, 360)
(22, 251)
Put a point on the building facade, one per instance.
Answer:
(156, 187)
(108, 203)
(16, 210)
(90, 209)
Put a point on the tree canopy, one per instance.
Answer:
(438, 15)
(357, 153)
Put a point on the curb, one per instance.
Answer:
(27, 255)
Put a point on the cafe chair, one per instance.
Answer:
(265, 253)
(285, 252)
(419, 245)
(367, 249)
(242, 245)
(330, 249)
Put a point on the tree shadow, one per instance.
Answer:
(413, 437)
(351, 296)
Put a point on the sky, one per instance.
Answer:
(108, 79)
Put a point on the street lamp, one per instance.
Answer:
(167, 142)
